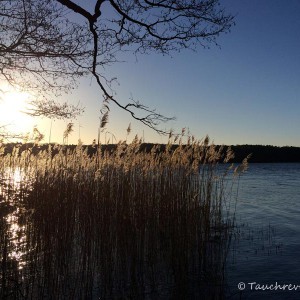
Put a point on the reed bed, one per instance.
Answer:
(121, 224)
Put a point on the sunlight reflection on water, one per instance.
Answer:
(17, 239)
(14, 186)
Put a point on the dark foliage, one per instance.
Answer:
(259, 153)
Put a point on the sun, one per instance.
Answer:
(13, 104)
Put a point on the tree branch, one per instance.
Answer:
(43, 50)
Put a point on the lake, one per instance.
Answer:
(267, 249)
(264, 256)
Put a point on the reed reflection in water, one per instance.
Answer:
(121, 225)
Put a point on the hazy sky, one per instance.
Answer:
(245, 92)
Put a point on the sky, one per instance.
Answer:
(246, 91)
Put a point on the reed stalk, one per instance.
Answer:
(121, 224)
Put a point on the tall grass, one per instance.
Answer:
(121, 224)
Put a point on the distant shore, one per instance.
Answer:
(267, 154)
(259, 153)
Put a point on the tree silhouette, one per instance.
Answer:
(45, 47)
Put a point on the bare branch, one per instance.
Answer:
(53, 110)
(42, 48)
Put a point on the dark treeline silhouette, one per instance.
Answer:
(259, 153)
(267, 154)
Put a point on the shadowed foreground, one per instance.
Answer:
(121, 225)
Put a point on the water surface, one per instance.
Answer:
(52, 251)
(267, 248)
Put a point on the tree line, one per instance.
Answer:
(259, 153)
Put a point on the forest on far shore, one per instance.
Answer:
(266, 154)
(259, 153)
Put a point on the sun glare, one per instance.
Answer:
(12, 107)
